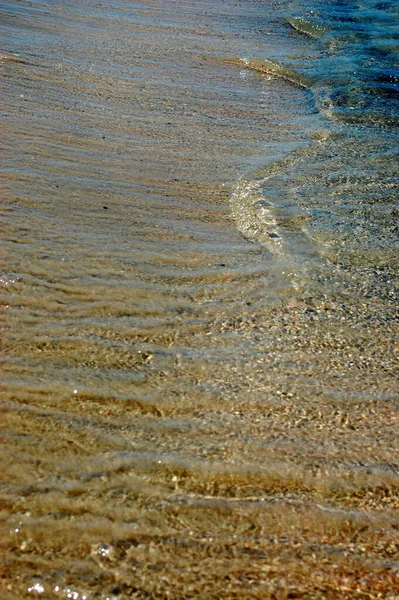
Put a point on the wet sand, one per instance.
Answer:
(183, 415)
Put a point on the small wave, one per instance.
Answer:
(258, 218)
(290, 207)
(269, 67)
(308, 27)
(267, 209)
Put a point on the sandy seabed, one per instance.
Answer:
(184, 415)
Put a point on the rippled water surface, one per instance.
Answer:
(199, 267)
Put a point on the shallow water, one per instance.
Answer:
(200, 300)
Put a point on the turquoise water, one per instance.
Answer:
(355, 73)
(337, 197)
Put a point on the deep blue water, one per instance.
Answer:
(356, 69)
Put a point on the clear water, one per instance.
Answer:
(338, 195)
(200, 294)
